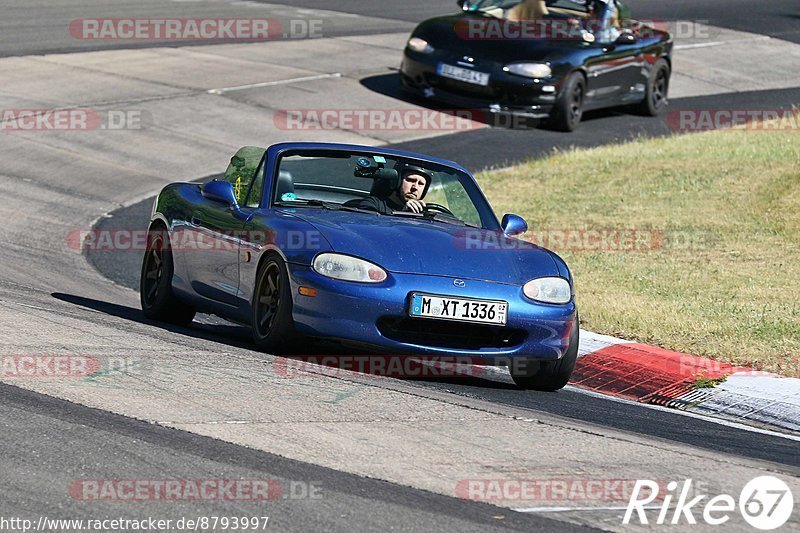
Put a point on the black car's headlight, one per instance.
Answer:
(548, 290)
(420, 45)
(348, 268)
(529, 70)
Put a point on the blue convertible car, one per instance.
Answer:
(312, 240)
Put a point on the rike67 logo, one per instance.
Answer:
(766, 503)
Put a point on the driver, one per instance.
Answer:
(604, 15)
(414, 184)
(527, 10)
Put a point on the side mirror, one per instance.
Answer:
(220, 191)
(626, 37)
(514, 225)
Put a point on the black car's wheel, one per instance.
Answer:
(273, 327)
(568, 109)
(655, 100)
(155, 285)
(548, 375)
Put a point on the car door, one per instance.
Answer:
(216, 230)
(614, 71)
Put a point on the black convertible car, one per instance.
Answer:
(540, 59)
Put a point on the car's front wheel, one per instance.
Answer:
(273, 327)
(548, 375)
(155, 285)
(568, 109)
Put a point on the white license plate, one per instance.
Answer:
(463, 74)
(460, 309)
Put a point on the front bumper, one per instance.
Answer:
(505, 94)
(375, 317)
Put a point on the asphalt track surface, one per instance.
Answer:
(56, 453)
(49, 442)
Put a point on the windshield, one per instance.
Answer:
(370, 183)
(577, 6)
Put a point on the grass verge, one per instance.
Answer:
(690, 242)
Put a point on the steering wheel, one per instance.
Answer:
(440, 208)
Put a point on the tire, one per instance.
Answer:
(272, 323)
(568, 109)
(155, 283)
(655, 100)
(549, 376)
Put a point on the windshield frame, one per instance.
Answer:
(489, 220)
(486, 5)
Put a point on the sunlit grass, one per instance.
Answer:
(723, 276)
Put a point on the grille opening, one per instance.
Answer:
(445, 334)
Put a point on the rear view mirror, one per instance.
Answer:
(367, 168)
(220, 191)
(379, 174)
(514, 225)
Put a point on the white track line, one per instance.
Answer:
(274, 83)
(720, 43)
(568, 509)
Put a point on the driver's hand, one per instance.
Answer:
(415, 206)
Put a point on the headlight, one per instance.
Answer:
(529, 70)
(348, 268)
(420, 45)
(548, 290)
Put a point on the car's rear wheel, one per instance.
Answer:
(548, 375)
(655, 100)
(155, 284)
(568, 109)
(273, 327)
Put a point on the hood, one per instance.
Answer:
(414, 246)
(451, 35)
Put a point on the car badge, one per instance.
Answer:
(460, 283)
(467, 61)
